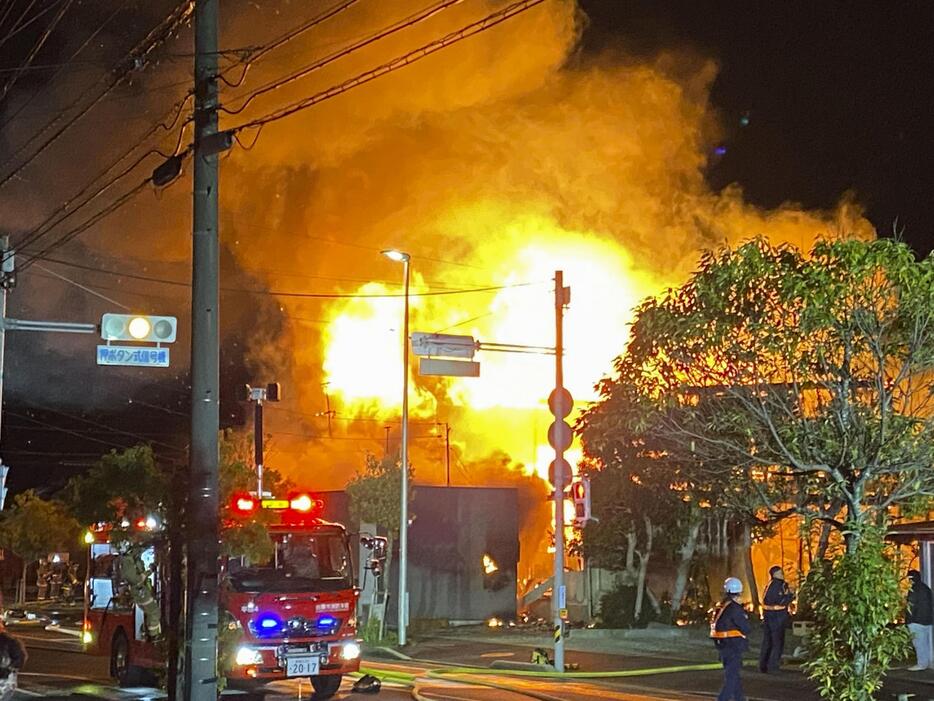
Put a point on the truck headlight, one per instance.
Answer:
(350, 651)
(248, 656)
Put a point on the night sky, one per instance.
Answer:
(838, 96)
(817, 99)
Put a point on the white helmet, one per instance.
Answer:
(732, 586)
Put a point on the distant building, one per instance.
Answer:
(463, 552)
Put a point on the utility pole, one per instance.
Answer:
(560, 443)
(447, 450)
(386, 452)
(7, 280)
(200, 674)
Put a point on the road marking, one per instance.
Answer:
(498, 654)
(27, 692)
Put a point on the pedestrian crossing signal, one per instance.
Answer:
(580, 495)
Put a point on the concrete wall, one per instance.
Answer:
(453, 528)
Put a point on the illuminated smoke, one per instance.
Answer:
(493, 163)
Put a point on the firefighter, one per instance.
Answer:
(775, 602)
(729, 628)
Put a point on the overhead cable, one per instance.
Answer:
(37, 47)
(320, 63)
(395, 64)
(133, 61)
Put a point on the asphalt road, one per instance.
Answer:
(58, 666)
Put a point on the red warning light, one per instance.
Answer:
(305, 504)
(244, 503)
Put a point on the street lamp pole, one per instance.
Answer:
(404, 258)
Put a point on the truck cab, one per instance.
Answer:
(296, 613)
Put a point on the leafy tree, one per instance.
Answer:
(375, 497)
(855, 597)
(248, 537)
(123, 484)
(35, 527)
(802, 382)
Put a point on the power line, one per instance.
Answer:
(111, 429)
(30, 57)
(255, 53)
(312, 295)
(488, 22)
(135, 60)
(66, 210)
(398, 26)
(82, 287)
(87, 224)
(82, 436)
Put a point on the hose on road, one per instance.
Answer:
(470, 675)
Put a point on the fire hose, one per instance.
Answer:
(468, 675)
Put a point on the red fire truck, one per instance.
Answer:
(294, 616)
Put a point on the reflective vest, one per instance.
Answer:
(774, 607)
(722, 634)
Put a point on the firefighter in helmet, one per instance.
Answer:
(775, 602)
(729, 629)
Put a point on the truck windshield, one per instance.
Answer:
(302, 562)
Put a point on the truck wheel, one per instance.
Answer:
(325, 685)
(125, 673)
(119, 656)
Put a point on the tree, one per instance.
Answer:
(805, 376)
(375, 497)
(122, 484)
(35, 527)
(802, 381)
(248, 537)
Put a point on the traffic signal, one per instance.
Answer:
(138, 327)
(580, 494)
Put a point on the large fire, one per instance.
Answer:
(493, 166)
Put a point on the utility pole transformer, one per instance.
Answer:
(200, 674)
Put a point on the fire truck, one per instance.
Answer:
(292, 616)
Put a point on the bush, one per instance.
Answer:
(616, 609)
(855, 599)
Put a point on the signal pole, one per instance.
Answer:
(560, 438)
(200, 675)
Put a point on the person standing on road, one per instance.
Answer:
(12, 659)
(775, 602)
(729, 629)
(920, 617)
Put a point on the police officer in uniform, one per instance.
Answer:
(729, 629)
(775, 601)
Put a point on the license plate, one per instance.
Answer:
(302, 665)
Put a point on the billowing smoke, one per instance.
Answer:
(493, 163)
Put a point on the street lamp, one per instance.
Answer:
(400, 257)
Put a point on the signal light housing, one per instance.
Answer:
(580, 495)
(139, 327)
